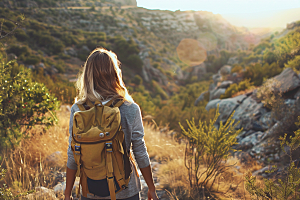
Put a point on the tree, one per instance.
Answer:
(23, 103)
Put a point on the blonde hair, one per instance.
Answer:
(101, 78)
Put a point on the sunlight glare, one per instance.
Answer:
(208, 41)
(191, 52)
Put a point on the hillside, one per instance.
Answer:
(60, 34)
(168, 60)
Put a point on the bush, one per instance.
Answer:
(134, 62)
(32, 60)
(257, 72)
(137, 80)
(158, 90)
(270, 95)
(237, 69)
(208, 148)
(234, 88)
(21, 35)
(288, 186)
(294, 64)
(23, 102)
(18, 50)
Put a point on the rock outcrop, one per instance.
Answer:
(258, 122)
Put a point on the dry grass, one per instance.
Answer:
(173, 174)
(36, 160)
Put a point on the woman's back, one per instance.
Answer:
(101, 80)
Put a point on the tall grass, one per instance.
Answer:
(37, 160)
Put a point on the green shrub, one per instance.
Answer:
(231, 90)
(294, 64)
(270, 57)
(18, 50)
(258, 72)
(234, 88)
(21, 35)
(208, 148)
(137, 80)
(270, 95)
(32, 60)
(237, 69)
(23, 103)
(181, 106)
(158, 90)
(134, 62)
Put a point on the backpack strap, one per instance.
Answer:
(110, 170)
(119, 103)
(112, 103)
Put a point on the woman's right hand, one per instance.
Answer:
(69, 198)
(152, 195)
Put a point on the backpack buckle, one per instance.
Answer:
(77, 149)
(108, 146)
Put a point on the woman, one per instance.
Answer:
(101, 80)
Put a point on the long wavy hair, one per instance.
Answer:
(101, 78)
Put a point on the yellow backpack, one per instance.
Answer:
(99, 149)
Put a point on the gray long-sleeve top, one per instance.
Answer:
(132, 125)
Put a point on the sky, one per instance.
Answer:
(238, 12)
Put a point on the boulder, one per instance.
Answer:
(42, 193)
(199, 70)
(211, 86)
(32, 67)
(200, 98)
(289, 80)
(216, 93)
(250, 141)
(41, 65)
(247, 112)
(233, 60)
(227, 106)
(225, 84)
(266, 120)
(11, 56)
(216, 78)
(297, 94)
(225, 70)
(70, 51)
(262, 171)
(212, 104)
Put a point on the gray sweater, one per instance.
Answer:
(132, 126)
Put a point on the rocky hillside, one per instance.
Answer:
(263, 96)
(157, 33)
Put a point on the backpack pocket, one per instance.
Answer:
(100, 187)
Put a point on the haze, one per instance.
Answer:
(248, 13)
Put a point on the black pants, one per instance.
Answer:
(135, 197)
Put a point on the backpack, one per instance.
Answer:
(99, 149)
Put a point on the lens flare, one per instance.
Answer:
(191, 52)
(208, 41)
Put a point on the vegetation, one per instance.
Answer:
(288, 185)
(207, 151)
(5, 192)
(23, 103)
(235, 88)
